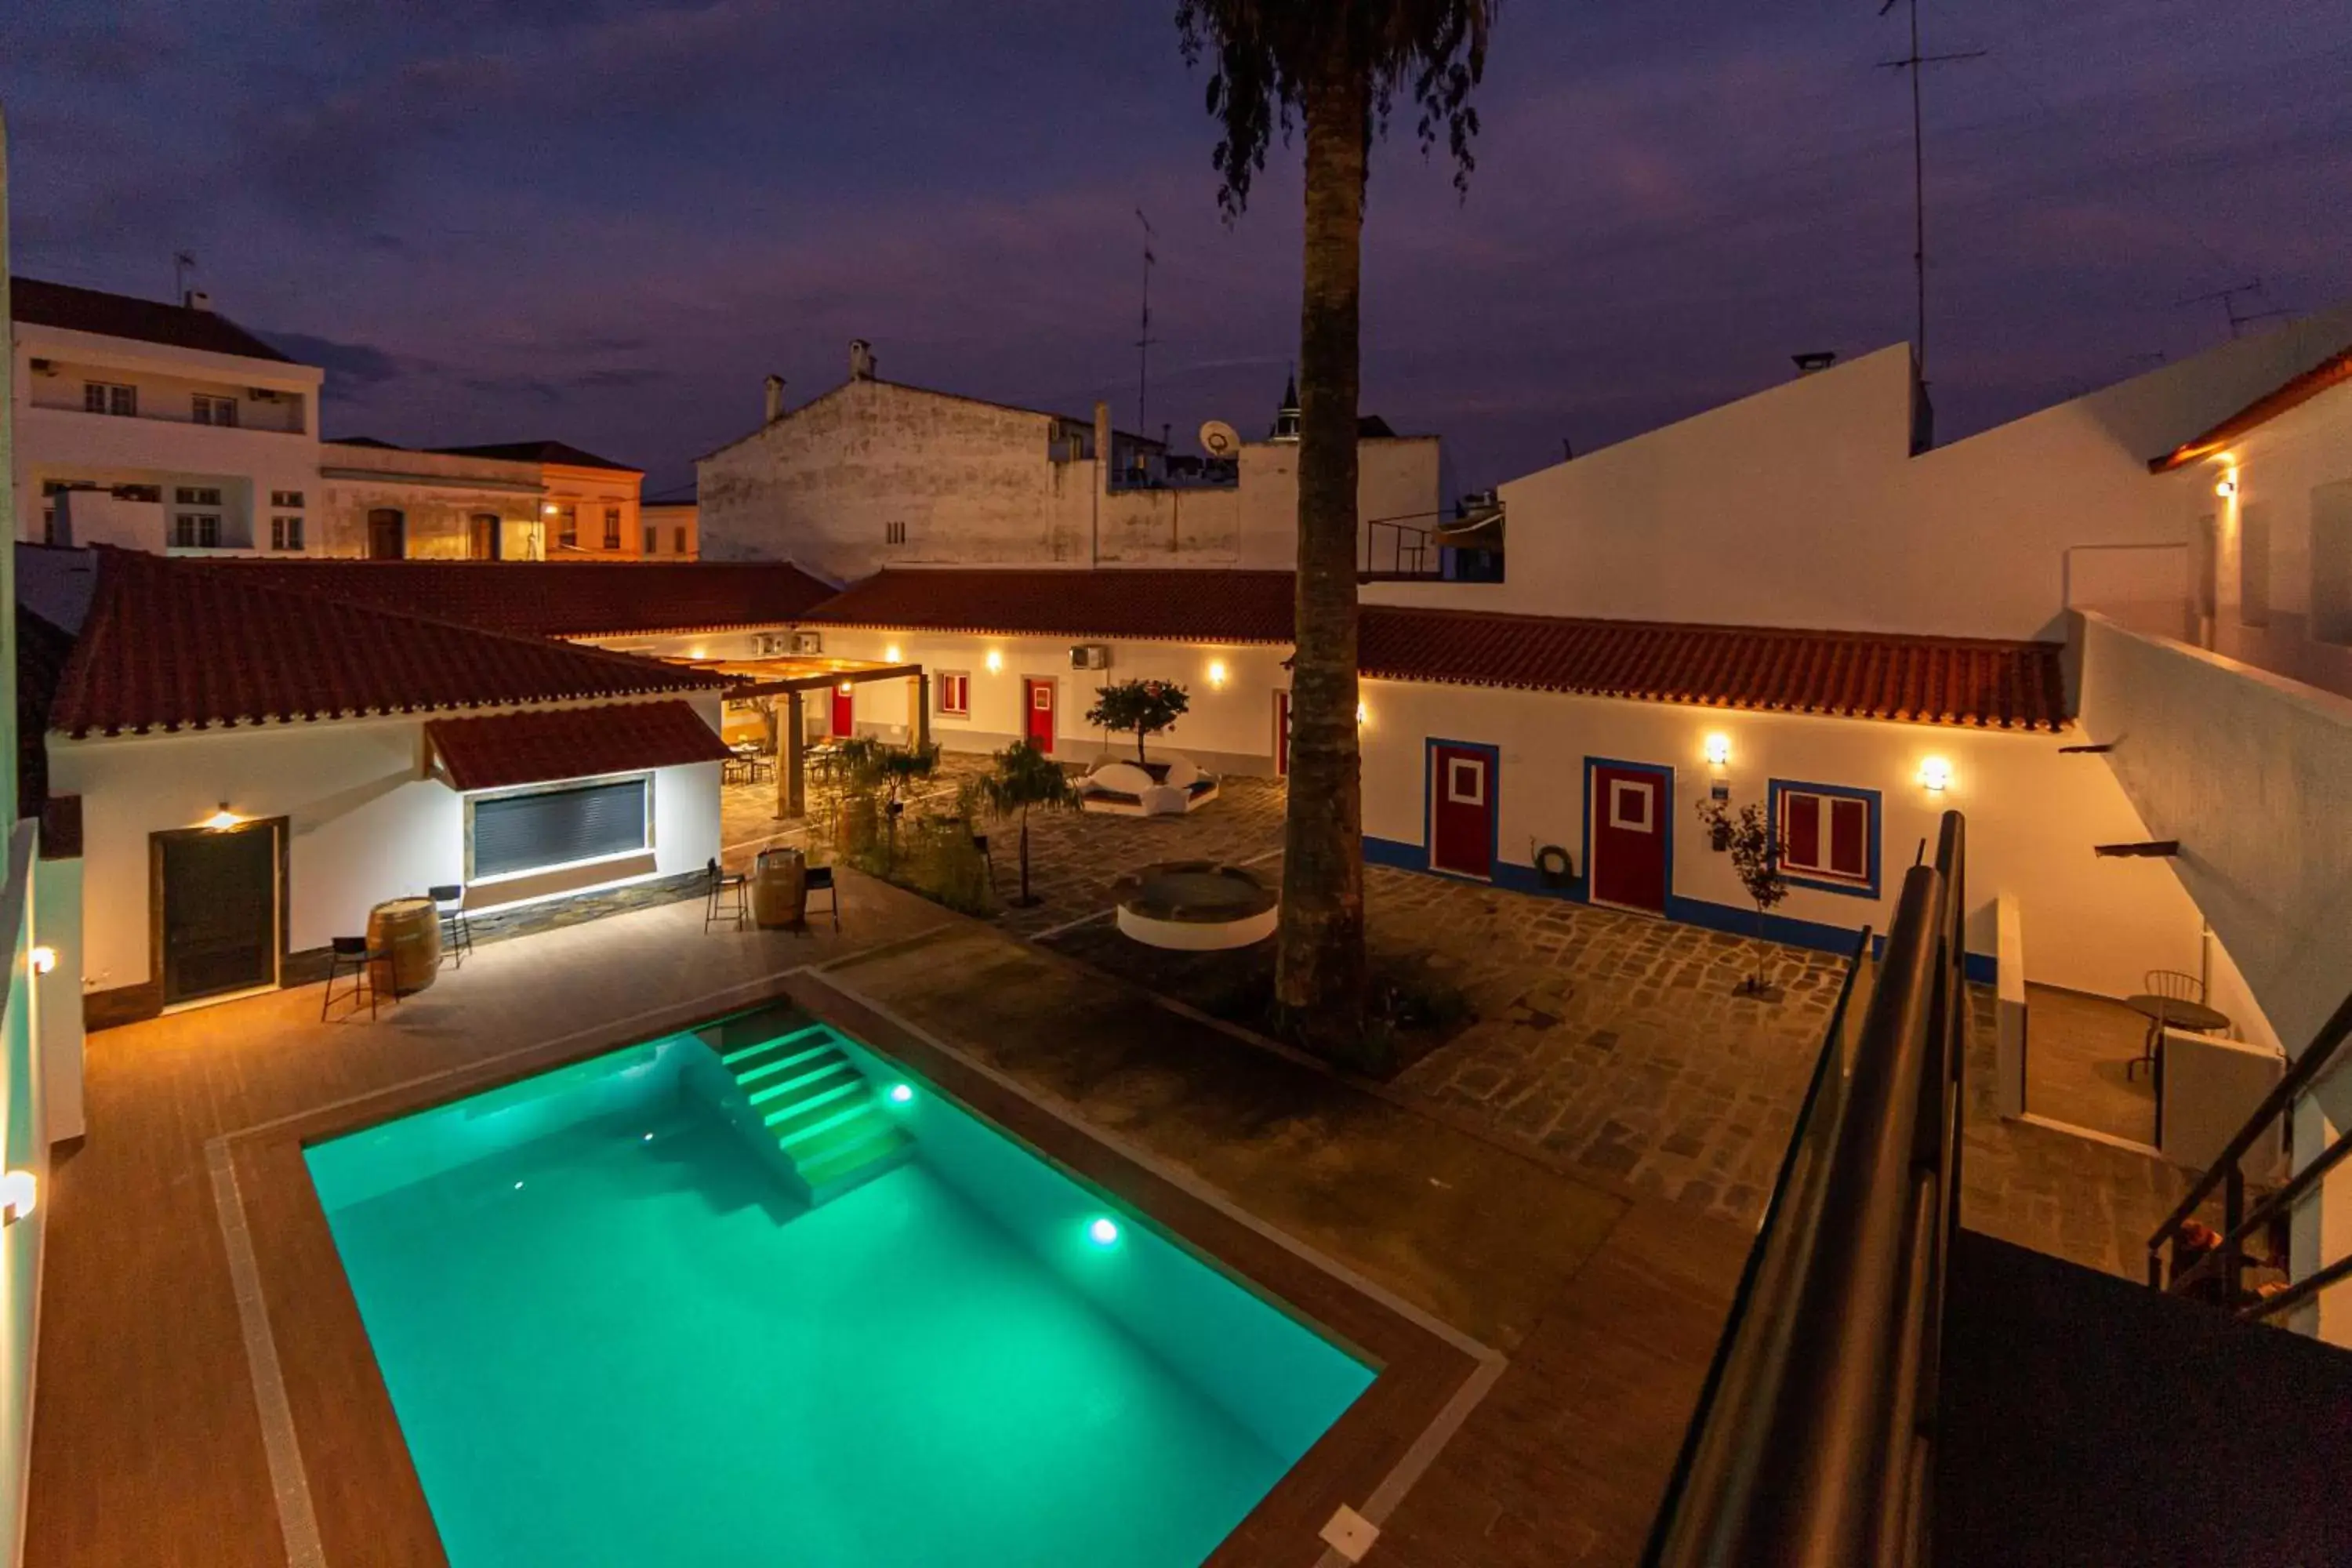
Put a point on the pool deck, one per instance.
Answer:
(151, 1443)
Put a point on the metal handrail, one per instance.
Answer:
(1813, 1444)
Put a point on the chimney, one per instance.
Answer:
(861, 360)
(775, 398)
(196, 300)
(1815, 363)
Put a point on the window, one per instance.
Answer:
(611, 528)
(286, 532)
(290, 500)
(567, 527)
(188, 496)
(215, 410)
(558, 827)
(152, 494)
(955, 693)
(196, 531)
(110, 398)
(1828, 836)
(893, 534)
(678, 540)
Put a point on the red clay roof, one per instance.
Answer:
(1163, 604)
(172, 645)
(550, 599)
(563, 454)
(2333, 370)
(499, 750)
(127, 316)
(1860, 675)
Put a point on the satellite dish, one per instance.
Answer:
(1220, 439)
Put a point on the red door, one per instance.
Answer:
(845, 710)
(1627, 855)
(1282, 734)
(1039, 695)
(1462, 810)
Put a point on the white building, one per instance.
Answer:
(157, 426)
(874, 473)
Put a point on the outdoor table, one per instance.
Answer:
(408, 933)
(2194, 1017)
(779, 889)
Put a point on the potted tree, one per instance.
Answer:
(1026, 777)
(1747, 837)
(1145, 707)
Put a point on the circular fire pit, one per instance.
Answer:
(1199, 905)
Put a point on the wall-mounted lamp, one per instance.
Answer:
(1718, 749)
(551, 508)
(2227, 487)
(1217, 673)
(224, 820)
(890, 654)
(1936, 774)
(1363, 714)
(43, 959)
(846, 687)
(995, 662)
(17, 1194)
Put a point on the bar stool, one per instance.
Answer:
(724, 895)
(819, 879)
(457, 930)
(353, 952)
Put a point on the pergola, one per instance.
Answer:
(791, 679)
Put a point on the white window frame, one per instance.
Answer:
(962, 678)
(286, 531)
(1646, 792)
(188, 528)
(118, 399)
(217, 412)
(1476, 768)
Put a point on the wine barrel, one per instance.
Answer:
(779, 888)
(408, 931)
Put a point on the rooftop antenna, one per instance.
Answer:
(182, 263)
(1912, 62)
(2228, 297)
(1145, 340)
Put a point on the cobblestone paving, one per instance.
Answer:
(1075, 855)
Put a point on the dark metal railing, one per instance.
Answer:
(2224, 1265)
(1812, 1443)
(1403, 545)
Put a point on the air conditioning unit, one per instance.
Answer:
(44, 367)
(808, 642)
(262, 394)
(1089, 656)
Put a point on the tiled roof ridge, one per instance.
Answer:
(1608, 623)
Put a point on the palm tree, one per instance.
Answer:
(1026, 776)
(1339, 66)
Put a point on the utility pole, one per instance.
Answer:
(1912, 62)
(182, 263)
(1144, 340)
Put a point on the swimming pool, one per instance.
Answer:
(754, 1294)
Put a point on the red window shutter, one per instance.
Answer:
(1850, 838)
(1801, 831)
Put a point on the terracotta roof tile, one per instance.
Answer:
(2335, 370)
(503, 748)
(172, 645)
(562, 454)
(127, 316)
(542, 598)
(1169, 604)
(1862, 675)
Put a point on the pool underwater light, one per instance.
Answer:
(1103, 1232)
(900, 1094)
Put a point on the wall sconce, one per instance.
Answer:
(17, 1194)
(891, 655)
(551, 508)
(1363, 714)
(224, 820)
(995, 662)
(43, 959)
(2227, 487)
(846, 687)
(1217, 673)
(1718, 749)
(1936, 774)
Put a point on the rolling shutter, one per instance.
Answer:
(526, 832)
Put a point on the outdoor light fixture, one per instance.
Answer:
(2227, 487)
(1216, 672)
(551, 508)
(44, 959)
(1718, 749)
(17, 1194)
(890, 654)
(900, 1094)
(1936, 774)
(995, 662)
(224, 820)
(1363, 714)
(847, 688)
(1103, 1232)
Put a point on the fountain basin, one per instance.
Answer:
(1195, 906)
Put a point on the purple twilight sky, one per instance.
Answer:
(505, 219)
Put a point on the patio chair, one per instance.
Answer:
(819, 879)
(2172, 986)
(727, 894)
(351, 952)
(457, 930)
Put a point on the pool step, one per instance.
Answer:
(787, 1085)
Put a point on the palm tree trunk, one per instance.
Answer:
(1319, 965)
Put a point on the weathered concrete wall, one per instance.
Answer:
(436, 493)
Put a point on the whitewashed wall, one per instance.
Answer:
(365, 824)
(2090, 924)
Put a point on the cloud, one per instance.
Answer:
(620, 376)
(357, 367)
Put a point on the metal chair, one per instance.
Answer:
(980, 842)
(457, 930)
(817, 878)
(2171, 985)
(353, 952)
(726, 888)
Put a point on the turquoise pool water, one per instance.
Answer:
(613, 1336)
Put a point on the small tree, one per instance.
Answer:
(1025, 777)
(1756, 858)
(1145, 707)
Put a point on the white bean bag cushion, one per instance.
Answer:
(1182, 772)
(1125, 778)
(1159, 800)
